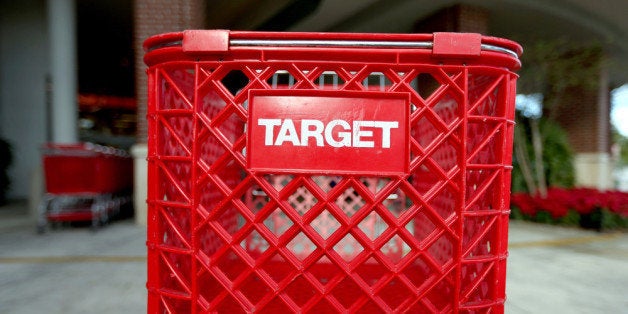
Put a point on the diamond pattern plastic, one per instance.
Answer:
(222, 238)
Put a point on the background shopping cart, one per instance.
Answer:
(84, 182)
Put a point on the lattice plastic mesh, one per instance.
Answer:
(225, 240)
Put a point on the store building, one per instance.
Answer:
(73, 70)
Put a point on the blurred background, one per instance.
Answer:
(72, 71)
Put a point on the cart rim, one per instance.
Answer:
(333, 40)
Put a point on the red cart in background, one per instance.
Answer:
(84, 182)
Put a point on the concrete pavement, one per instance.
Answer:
(563, 270)
(73, 270)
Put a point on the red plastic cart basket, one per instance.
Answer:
(328, 172)
(84, 182)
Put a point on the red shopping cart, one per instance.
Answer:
(84, 182)
(328, 172)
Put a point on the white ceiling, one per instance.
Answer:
(584, 21)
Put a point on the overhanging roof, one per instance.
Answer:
(600, 22)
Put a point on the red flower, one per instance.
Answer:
(617, 202)
(524, 202)
(556, 206)
(583, 200)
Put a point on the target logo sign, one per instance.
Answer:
(328, 132)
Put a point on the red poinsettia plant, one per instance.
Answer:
(584, 202)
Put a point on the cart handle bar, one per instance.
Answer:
(353, 43)
(443, 44)
(340, 43)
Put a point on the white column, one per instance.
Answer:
(63, 70)
(139, 152)
(594, 170)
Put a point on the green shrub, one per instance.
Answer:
(557, 155)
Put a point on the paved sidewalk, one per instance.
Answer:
(563, 270)
(73, 270)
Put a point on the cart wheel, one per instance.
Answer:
(42, 209)
(96, 224)
(56, 225)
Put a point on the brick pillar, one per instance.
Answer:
(457, 18)
(584, 113)
(152, 17)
